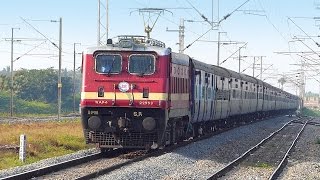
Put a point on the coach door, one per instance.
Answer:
(197, 93)
(212, 95)
(208, 98)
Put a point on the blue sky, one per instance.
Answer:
(263, 24)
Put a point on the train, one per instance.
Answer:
(137, 93)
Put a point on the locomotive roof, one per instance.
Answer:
(132, 43)
(159, 50)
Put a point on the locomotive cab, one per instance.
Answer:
(124, 96)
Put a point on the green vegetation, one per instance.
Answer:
(23, 106)
(310, 112)
(35, 91)
(318, 140)
(44, 140)
(263, 165)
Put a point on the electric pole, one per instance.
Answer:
(11, 73)
(261, 68)
(74, 76)
(302, 85)
(253, 66)
(239, 59)
(101, 27)
(59, 72)
(98, 24)
(181, 35)
(218, 53)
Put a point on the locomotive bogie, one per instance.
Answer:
(113, 127)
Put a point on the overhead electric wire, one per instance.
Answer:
(186, 29)
(196, 39)
(233, 54)
(39, 32)
(304, 32)
(228, 15)
(270, 22)
(29, 51)
(202, 15)
(191, 15)
(224, 18)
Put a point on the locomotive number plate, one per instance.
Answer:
(101, 102)
(145, 103)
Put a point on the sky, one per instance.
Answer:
(283, 33)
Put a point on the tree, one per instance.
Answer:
(4, 83)
(5, 71)
(40, 85)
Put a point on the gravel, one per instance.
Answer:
(262, 162)
(200, 159)
(304, 161)
(46, 162)
(84, 169)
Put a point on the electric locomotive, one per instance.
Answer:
(127, 95)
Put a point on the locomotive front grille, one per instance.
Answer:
(126, 140)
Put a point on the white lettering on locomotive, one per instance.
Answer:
(137, 114)
(101, 102)
(93, 112)
(146, 103)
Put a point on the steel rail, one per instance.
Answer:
(155, 153)
(235, 162)
(159, 152)
(284, 160)
(67, 164)
(53, 168)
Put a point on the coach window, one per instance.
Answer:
(108, 63)
(142, 64)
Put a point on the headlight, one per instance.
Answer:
(94, 122)
(149, 123)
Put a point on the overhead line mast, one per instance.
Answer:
(103, 28)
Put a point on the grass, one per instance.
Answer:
(44, 140)
(263, 165)
(7, 115)
(318, 140)
(311, 112)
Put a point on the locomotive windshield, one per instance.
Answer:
(108, 63)
(141, 64)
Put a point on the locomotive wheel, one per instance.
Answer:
(105, 152)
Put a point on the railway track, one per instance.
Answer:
(227, 172)
(78, 164)
(54, 168)
(108, 164)
(152, 154)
